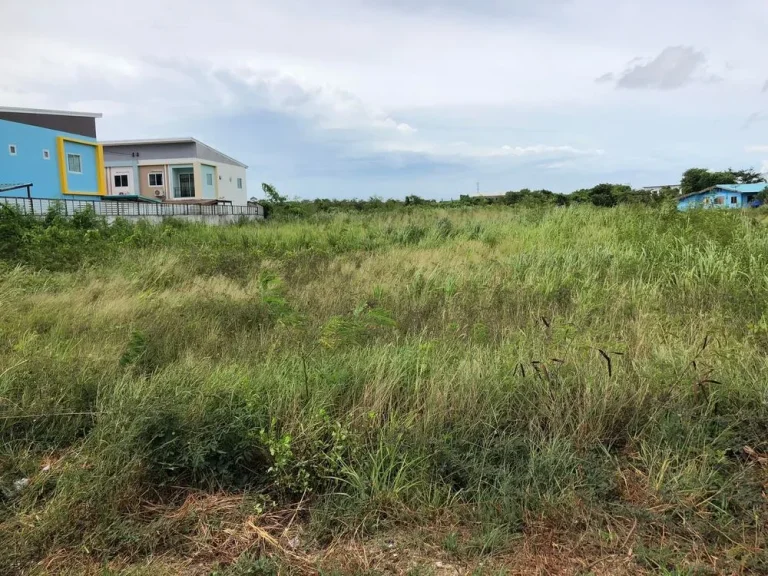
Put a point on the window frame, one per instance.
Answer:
(239, 183)
(208, 179)
(156, 185)
(13, 150)
(46, 154)
(734, 199)
(79, 157)
(121, 176)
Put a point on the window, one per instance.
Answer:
(121, 180)
(719, 200)
(74, 163)
(155, 178)
(734, 199)
(239, 183)
(46, 155)
(209, 179)
(12, 149)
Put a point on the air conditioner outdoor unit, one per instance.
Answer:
(159, 194)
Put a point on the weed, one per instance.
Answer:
(505, 368)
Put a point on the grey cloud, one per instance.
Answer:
(675, 67)
(607, 77)
(765, 86)
(470, 7)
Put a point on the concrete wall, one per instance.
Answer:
(228, 190)
(29, 164)
(149, 191)
(209, 181)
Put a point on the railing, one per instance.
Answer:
(41, 206)
(184, 191)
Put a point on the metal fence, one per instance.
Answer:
(41, 206)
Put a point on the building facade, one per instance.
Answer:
(54, 151)
(722, 196)
(179, 169)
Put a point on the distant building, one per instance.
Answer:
(658, 189)
(173, 169)
(722, 196)
(53, 150)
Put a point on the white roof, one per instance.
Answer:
(183, 140)
(49, 112)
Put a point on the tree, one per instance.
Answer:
(602, 195)
(272, 194)
(748, 176)
(414, 200)
(697, 179)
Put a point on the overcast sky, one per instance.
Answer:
(354, 98)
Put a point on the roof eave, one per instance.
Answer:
(12, 110)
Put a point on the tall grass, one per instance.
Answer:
(504, 367)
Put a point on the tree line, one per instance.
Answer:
(605, 195)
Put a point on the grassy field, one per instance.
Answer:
(487, 391)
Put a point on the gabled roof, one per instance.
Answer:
(739, 188)
(49, 112)
(161, 141)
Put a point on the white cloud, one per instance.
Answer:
(763, 149)
(469, 151)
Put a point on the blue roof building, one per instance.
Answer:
(54, 151)
(722, 196)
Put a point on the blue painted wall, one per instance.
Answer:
(700, 200)
(209, 190)
(87, 181)
(29, 165)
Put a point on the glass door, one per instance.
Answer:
(186, 185)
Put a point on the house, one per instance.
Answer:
(722, 196)
(54, 151)
(173, 169)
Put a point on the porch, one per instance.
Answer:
(183, 181)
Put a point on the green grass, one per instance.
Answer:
(499, 372)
